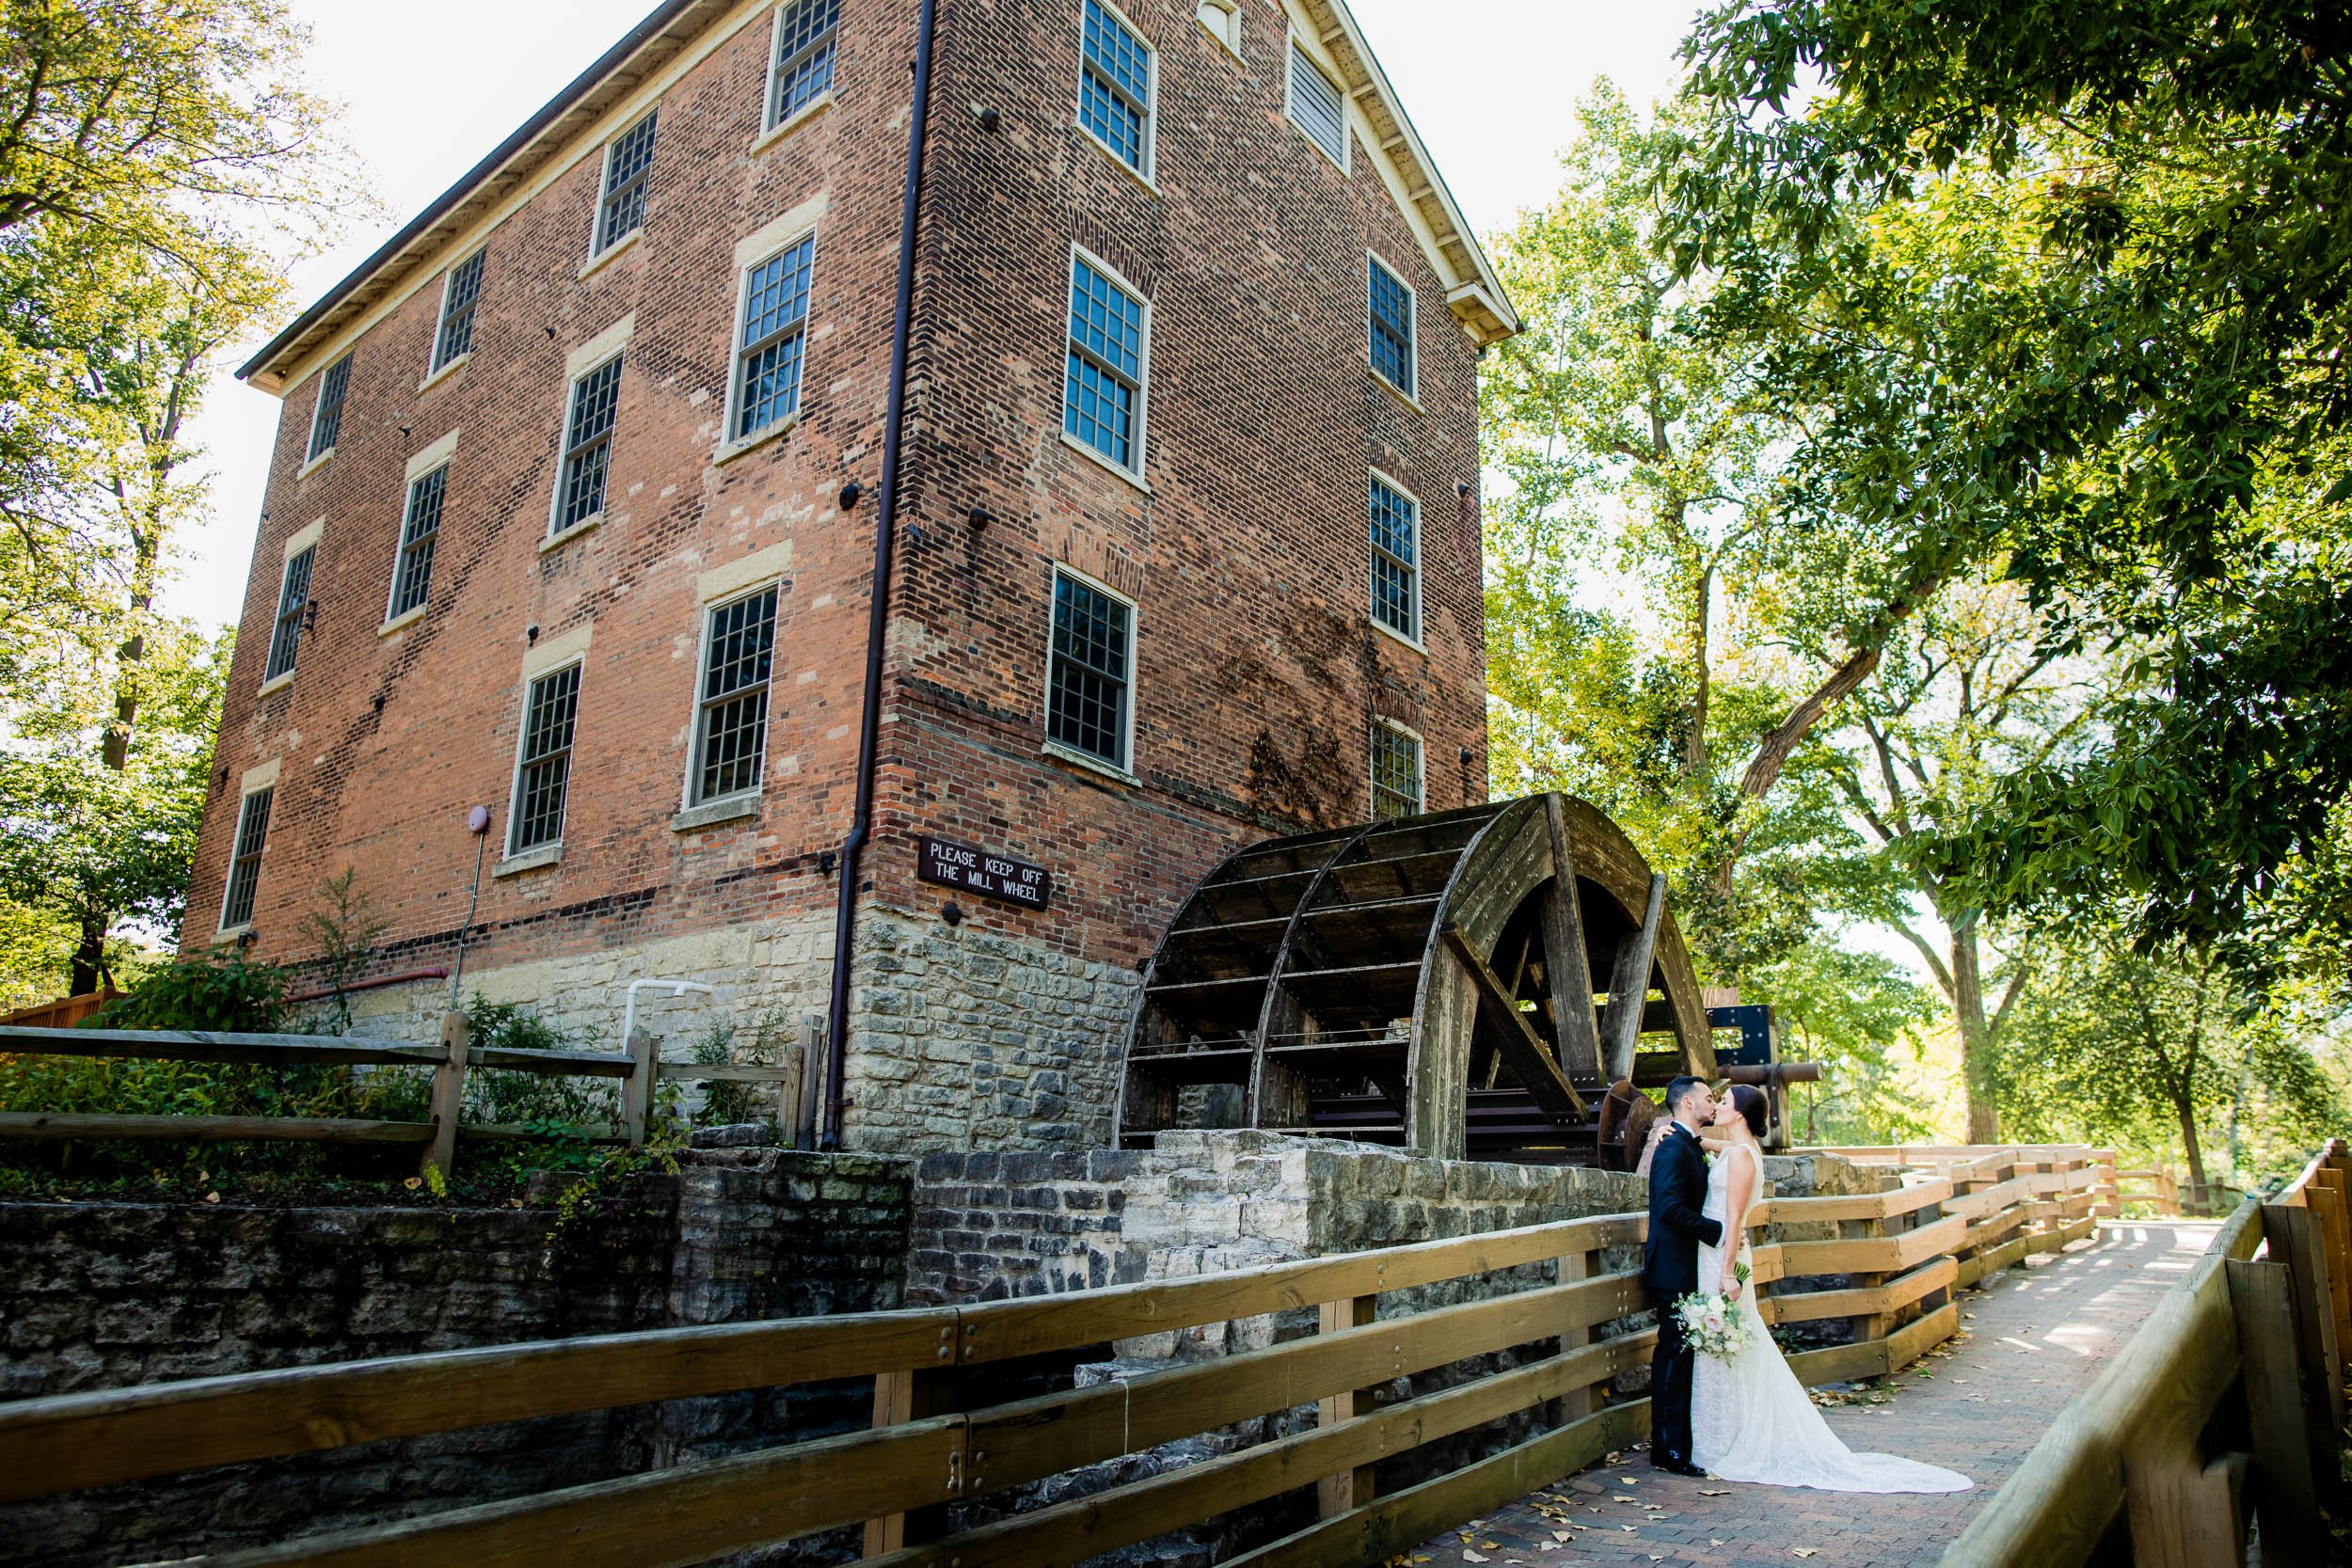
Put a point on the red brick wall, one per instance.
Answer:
(1258, 672)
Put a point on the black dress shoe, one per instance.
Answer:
(1676, 1466)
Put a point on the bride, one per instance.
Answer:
(1750, 1419)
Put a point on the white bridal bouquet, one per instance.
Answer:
(1714, 1324)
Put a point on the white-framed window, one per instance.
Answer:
(589, 416)
(1316, 105)
(1089, 678)
(1114, 87)
(1388, 309)
(245, 859)
(800, 68)
(327, 414)
(772, 304)
(420, 524)
(459, 292)
(1222, 18)
(731, 699)
(1396, 776)
(543, 760)
(1102, 396)
(293, 605)
(1395, 558)
(621, 207)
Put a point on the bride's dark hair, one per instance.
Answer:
(1750, 1103)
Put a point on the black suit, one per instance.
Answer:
(1670, 1270)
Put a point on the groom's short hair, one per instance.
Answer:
(1676, 1090)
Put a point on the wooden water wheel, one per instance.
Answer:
(1461, 984)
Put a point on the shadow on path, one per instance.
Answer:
(2030, 1341)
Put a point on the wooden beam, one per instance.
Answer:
(1541, 1076)
(1568, 965)
(2286, 1494)
(449, 1093)
(1629, 988)
(212, 1130)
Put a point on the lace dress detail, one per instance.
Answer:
(1750, 1417)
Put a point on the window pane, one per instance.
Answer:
(803, 63)
(245, 862)
(1315, 105)
(1395, 773)
(1391, 311)
(774, 313)
(1115, 84)
(624, 206)
(1107, 321)
(587, 444)
(734, 719)
(326, 420)
(1393, 560)
(1106, 371)
(465, 287)
(1086, 696)
(294, 598)
(545, 777)
(413, 575)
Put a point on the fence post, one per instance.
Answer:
(1577, 1402)
(1336, 1495)
(449, 1094)
(637, 1088)
(2286, 1487)
(2324, 1196)
(2295, 1238)
(899, 1397)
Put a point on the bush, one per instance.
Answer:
(208, 991)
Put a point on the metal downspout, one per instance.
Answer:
(878, 615)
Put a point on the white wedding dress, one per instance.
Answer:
(1750, 1417)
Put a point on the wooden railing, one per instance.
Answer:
(2155, 1188)
(638, 1070)
(934, 1441)
(2230, 1397)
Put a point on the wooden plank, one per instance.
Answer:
(1567, 963)
(212, 1130)
(2279, 1414)
(1574, 1267)
(1031, 1440)
(2325, 1199)
(449, 1094)
(663, 1520)
(1523, 1051)
(2292, 1236)
(1405, 1519)
(1857, 1206)
(1871, 1254)
(1084, 1528)
(566, 1064)
(1629, 988)
(994, 1330)
(1916, 1338)
(69, 1441)
(1840, 1363)
(185, 1045)
(1810, 1305)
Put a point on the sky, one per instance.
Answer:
(1492, 85)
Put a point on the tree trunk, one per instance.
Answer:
(2186, 1110)
(89, 959)
(1976, 1044)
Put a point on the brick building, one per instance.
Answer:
(574, 506)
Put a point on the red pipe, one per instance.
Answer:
(404, 977)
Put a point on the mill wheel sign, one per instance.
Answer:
(982, 871)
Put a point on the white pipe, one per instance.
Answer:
(676, 988)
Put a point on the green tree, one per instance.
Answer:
(2160, 430)
(2124, 1045)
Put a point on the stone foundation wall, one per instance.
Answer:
(971, 1039)
(105, 1295)
(960, 1038)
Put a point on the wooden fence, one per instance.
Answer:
(2229, 1400)
(64, 1013)
(638, 1070)
(934, 1441)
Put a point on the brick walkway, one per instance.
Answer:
(2030, 1342)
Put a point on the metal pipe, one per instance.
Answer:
(404, 977)
(878, 612)
(676, 988)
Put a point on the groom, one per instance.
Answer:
(1670, 1266)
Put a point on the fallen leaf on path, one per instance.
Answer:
(1469, 1556)
(1804, 1551)
(1714, 1491)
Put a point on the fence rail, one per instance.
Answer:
(2230, 1399)
(637, 1071)
(1902, 1252)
